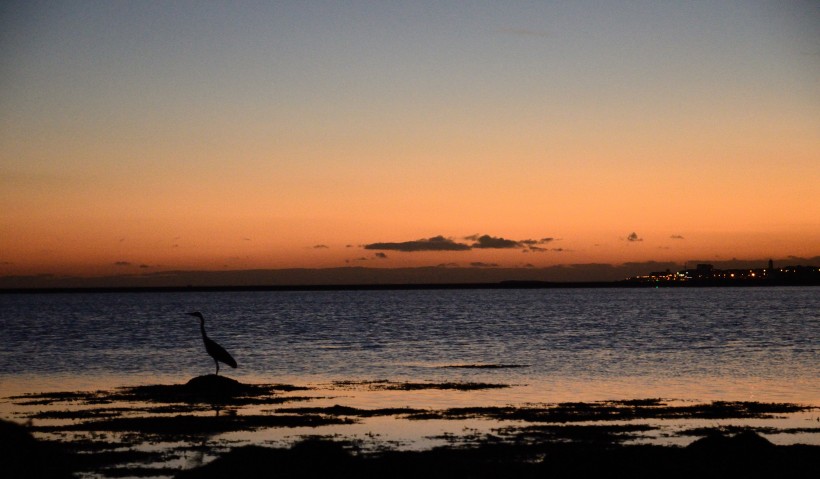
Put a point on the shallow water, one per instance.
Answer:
(687, 346)
(572, 344)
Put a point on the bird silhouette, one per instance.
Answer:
(214, 350)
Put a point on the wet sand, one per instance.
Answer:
(206, 428)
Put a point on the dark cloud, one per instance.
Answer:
(633, 237)
(533, 242)
(144, 266)
(479, 264)
(678, 237)
(536, 245)
(492, 242)
(447, 265)
(436, 243)
(122, 263)
(440, 243)
(487, 241)
(536, 249)
(320, 246)
(376, 256)
(348, 261)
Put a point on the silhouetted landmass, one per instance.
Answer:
(508, 284)
(359, 278)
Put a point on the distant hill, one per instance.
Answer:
(347, 276)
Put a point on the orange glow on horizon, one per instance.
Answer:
(165, 145)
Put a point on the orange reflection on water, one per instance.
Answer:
(399, 432)
(519, 391)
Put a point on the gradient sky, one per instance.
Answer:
(144, 136)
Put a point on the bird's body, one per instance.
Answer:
(212, 348)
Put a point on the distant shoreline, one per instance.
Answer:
(651, 274)
(326, 287)
(511, 284)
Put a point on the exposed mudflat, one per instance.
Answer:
(213, 426)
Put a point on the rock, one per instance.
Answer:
(23, 456)
(743, 441)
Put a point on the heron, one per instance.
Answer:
(214, 350)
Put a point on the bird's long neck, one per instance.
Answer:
(202, 327)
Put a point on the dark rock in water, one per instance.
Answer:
(22, 456)
(209, 389)
(215, 385)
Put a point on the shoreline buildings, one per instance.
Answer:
(707, 274)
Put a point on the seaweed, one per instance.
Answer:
(210, 389)
(484, 366)
(338, 410)
(195, 425)
(384, 385)
(612, 411)
(534, 440)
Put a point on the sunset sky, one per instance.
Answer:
(146, 136)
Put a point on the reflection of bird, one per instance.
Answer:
(214, 350)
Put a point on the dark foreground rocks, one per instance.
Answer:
(168, 430)
(745, 456)
(22, 456)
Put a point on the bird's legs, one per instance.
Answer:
(217, 366)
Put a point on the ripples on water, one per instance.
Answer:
(763, 334)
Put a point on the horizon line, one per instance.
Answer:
(363, 276)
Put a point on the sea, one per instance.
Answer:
(702, 344)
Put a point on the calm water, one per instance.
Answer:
(758, 343)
